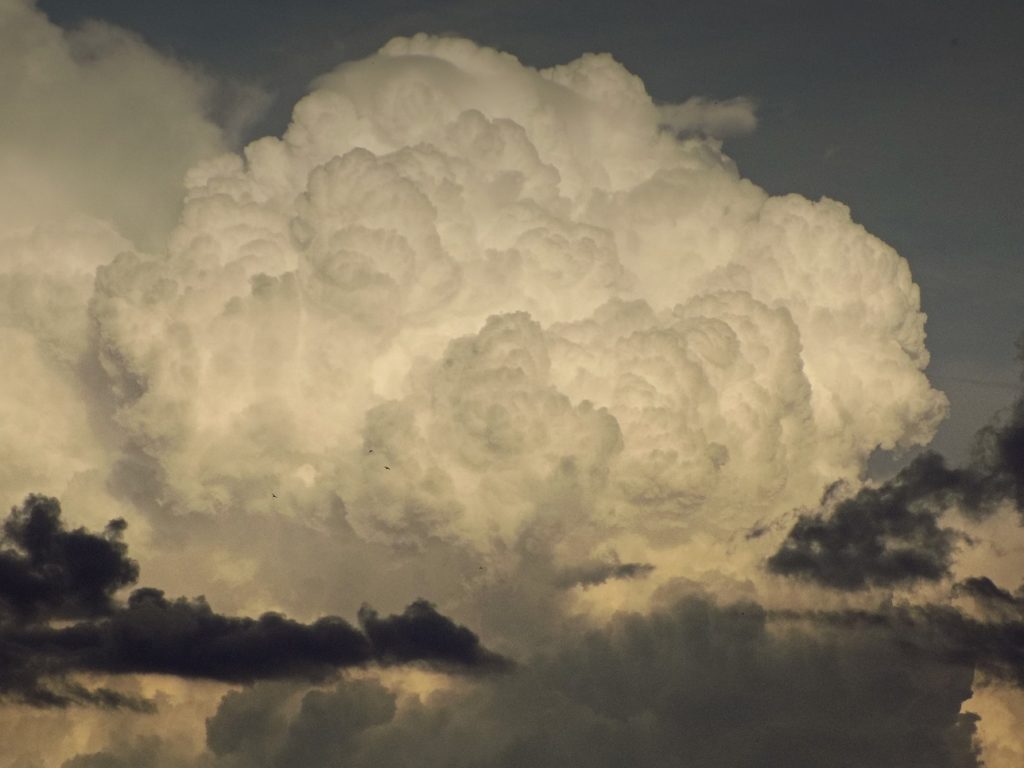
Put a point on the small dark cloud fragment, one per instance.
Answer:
(756, 532)
(891, 535)
(48, 572)
(593, 574)
(984, 589)
(992, 601)
(420, 633)
(999, 456)
(880, 537)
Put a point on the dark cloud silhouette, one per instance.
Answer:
(891, 534)
(188, 639)
(58, 574)
(49, 572)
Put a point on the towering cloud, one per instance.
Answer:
(517, 289)
(520, 341)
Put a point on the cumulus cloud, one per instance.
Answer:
(524, 296)
(477, 327)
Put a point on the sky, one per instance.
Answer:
(478, 384)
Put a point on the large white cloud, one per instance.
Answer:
(517, 289)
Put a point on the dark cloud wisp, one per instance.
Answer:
(593, 574)
(939, 632)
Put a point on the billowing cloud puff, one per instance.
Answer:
(522, 295)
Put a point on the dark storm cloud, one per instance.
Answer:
(695, 684)
(58, 574)
(47, 571)
(891, 535)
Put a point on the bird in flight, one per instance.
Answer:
(386, 467)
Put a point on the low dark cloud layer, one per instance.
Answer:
(54, 573)
(696, 684)
(891, 534)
